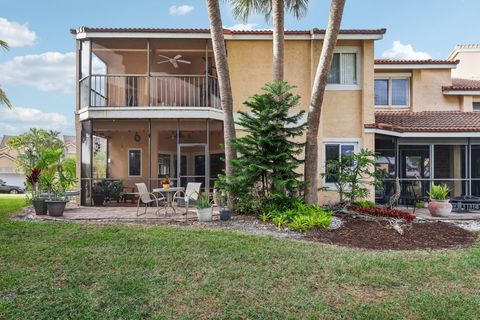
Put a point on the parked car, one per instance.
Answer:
(5, 188)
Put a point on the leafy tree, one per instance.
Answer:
(3, 96)
(267, 161)
(353, 174)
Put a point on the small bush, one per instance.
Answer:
(439, 192)
(384, 212)
(364, 204)
(297, 216)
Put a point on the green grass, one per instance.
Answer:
(69, 271)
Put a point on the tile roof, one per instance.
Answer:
(404, 61)
(463, 85)
(427, 121)
(226, 31)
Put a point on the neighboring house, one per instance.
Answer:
(8, 169)
(148, 104)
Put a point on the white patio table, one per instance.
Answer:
(168, 193)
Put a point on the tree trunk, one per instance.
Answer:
(278, 9)
(220, 52)
(315, 109)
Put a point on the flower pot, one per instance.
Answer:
(98, 200)
(55, 208)
(439, 208)
(40, 206)
(225, 214)
(166, 186)
(204, 215)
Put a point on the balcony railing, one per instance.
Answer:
(155, 91)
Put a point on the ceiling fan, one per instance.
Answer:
(174, 61)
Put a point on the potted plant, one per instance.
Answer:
(439, 204)
(57, 202)
(204, 208)
(33, 180)
(98, 194)
(165, 182)
(225, 213)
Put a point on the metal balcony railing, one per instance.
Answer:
(155, 91)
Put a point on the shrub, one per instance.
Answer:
(364, 204)
(383, 212)
(299, 217)
(439, 192)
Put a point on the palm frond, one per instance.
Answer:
(242, 9)
(4, 99)
(4, 45)
(298, 8)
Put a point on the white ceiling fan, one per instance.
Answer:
(174, 61)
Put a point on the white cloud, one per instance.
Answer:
(15, 34)
(243, 26)
(49, 71)
(404, 51)
(19, 120)
(180, 10)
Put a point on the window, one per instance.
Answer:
(134, 162)
(343, 69)
(476, 106)
(392, 92)
(334, 151)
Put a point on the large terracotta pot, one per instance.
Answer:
(439, 208)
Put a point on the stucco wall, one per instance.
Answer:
(427, 92)
(469, 66)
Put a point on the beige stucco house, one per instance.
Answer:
(148, 106)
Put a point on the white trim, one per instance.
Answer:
(456, 51)
(202, 35)
(150, 113)
(141, 160)
(401, 75)
(423, 134)
(414, 66)
(358, 68)
(461, 93)
(356, 142)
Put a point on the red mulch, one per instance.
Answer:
(358, 232)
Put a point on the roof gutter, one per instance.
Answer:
(423, 134)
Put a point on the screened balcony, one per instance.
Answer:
(147, 73)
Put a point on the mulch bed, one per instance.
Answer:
(379, 235)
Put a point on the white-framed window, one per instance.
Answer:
(134, 162)
(345, 69)
(334, 150)
(392, 91)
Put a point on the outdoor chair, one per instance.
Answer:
(190, 194)
(148, 198)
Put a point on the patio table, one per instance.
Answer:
(169, 192)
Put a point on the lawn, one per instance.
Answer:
(68, 271)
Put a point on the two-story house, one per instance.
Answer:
(148, 106)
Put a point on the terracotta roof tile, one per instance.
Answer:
(427, 121)
(227, 31)
(427, 61)
(463, 85)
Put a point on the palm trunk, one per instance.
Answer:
(278, 9)
(318, 90)
(219, 49)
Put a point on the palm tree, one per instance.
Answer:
(318, 90)
(242, 9)
(3, 96)
(220, 52)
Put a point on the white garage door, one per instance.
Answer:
(13, 179)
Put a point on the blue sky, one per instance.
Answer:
(37, 73)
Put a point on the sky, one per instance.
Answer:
(38, 72)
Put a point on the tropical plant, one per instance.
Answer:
(33, 180)
(3, 96)
(439, 192)
(203, 201)
(276, 9)
(268, 154)
(353, 174)
(384, 212)
(225, 87)
(316, 101)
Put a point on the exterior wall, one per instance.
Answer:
(469, 66)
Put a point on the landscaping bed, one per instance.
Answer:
(376, 234)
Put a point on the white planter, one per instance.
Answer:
(204, 215)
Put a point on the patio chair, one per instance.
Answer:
(147, 198)
(191, 193)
